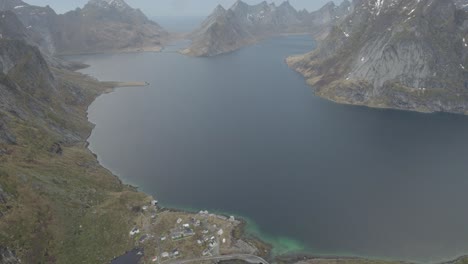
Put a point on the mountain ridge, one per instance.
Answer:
(403, 54)
(242, 24)
(100, 26)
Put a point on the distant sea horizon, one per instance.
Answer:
(179, 24)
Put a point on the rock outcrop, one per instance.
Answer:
(403, 54)
(8, 257)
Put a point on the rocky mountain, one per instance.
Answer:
(40, 22)
(404, 54)
(242, 24)
(102, 25)
(320, 22)
(57, 204)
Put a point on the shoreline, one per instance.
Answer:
(288, 258)
(239, 231)
(423, 109)
(189, 51)
(155, 49)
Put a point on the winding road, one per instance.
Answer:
(245, 257)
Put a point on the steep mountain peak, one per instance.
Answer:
(239, 4)
(286, 4)
(118, 4)
(243, 24)
(328, 6)
(219, 10)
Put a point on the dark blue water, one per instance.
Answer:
(244, 134)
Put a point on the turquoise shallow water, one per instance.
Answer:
(280, 245)
(243, 133)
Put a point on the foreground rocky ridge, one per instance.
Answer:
(242, 24)
(54, 194)
(403, 54)
(101, 26)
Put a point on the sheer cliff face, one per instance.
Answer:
(29, 89)
(406, 54)
(243, 24)
(102, 25)
(22, 67)
(40, 22)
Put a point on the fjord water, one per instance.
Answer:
(242, 133)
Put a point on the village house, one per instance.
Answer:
(134, 231)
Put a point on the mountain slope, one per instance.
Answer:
(57, 204)
(242, 24)
(404, 54)
(102, 25)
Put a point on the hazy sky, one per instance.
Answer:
(174, 7)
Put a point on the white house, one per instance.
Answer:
(134, 231)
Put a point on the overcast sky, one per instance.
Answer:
(175, 7)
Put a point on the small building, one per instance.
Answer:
(175, 253)
(220, 232)
(186, 225)
(212, 244)
(224, 241)
(154, 259)
(177, 235)
(145, 208)
(222, 217)
(134, 231)
(199, 242)
(163, 238)
(154, 202)
(143, 238)
(179, 220)
(188, 232)
(206, 252)
(165, 255)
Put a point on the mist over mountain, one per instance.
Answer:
(176, 7)
(101, 25)
(243, 24)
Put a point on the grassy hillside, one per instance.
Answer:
(60, 205)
